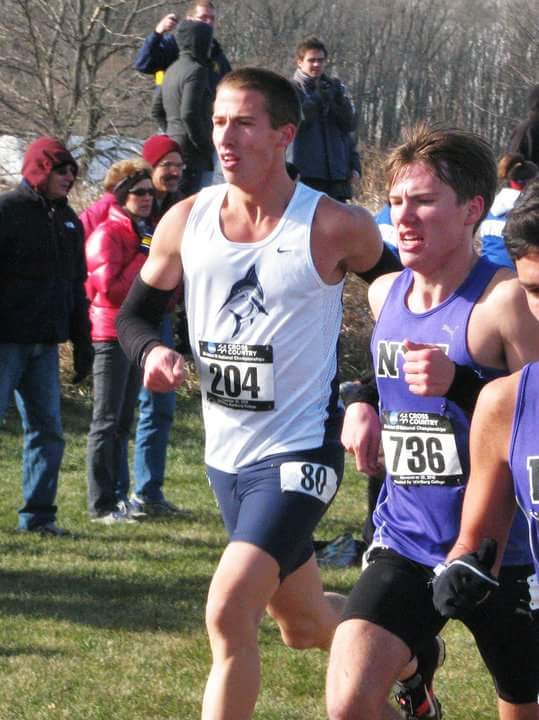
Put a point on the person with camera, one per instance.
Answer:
(323, 151)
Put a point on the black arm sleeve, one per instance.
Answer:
(387, 263)
(465, 388)
(365, 392)
(139, 319)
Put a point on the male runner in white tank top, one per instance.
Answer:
(270, 253)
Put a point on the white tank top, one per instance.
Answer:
(263, 328)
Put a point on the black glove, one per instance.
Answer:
(83, 358)
(327, 94)
(465, 582)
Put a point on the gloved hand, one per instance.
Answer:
(465, 582)
(326, 91)
(83, 358)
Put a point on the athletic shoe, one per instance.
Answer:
(49, 529)
(154, 507)
(114, 517)
(415, 696)
(131, 510)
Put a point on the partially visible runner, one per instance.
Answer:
(445, 324)
(516, 174)
(504, 449)
(263, 262)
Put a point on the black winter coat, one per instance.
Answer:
(187, 95)
(321, 148)
(42, 270)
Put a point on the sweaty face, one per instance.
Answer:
(528, 275)
(167, 173)
(138, 202)
(312, 63)
(247, 145)
(430, 224)
(59, 182)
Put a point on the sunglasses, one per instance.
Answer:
(141, 192)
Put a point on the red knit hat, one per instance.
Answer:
(41, 157)
(157, 146)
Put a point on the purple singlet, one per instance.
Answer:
(426, 438)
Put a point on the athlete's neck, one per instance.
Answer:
(432, 286)
(249, 215)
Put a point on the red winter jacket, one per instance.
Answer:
(96, 213)
(113, 259)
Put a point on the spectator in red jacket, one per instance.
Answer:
(156, 410)
(115, 252)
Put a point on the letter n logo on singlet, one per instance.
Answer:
(386, 361)
(533, 471)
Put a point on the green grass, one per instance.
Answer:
(110, 623)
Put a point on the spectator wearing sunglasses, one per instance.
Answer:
(115, 252)
(156, 410)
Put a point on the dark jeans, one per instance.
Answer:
(116, 387)
(31, 373)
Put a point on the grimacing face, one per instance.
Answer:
(431, 225)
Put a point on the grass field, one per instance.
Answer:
(110, 622)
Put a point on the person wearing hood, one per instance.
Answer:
(42, 304)
(160, 50)
(187, 99)
(525, 137)
(517, 173)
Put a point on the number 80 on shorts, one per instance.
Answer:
(319, 481)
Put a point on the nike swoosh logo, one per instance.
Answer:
(283, 250)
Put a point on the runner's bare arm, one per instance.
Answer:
(502, 331)
(344, 238)
(489, 501)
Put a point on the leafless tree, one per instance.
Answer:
(66, 65)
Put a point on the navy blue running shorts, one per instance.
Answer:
(277, 502)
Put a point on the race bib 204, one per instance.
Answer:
(237, 375)
(420, 449)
